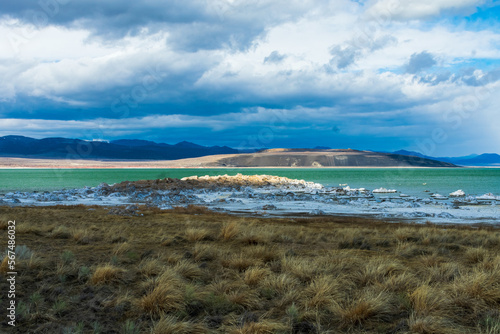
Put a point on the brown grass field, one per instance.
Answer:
(96, 270)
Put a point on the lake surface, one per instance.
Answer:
(412, 181)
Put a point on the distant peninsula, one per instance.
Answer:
(311, 158)
(323, 158)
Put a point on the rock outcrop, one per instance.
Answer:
(211, 182)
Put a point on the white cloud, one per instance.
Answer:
(59, 62)
(331, 64)
(389, 10)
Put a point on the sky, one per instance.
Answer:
(421, 75)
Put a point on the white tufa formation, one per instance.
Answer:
(458, 193)
(256, 180)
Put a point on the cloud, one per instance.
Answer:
(274, 57)
(420, 61)
(470, 77)
(192, 25)
(480, 78)
(353, 50)
(344, 56)
(300, 69)
(420, 9)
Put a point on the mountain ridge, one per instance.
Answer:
(143, 150)
(485, 159)
(123, 149)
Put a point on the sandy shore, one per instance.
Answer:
(8, 163)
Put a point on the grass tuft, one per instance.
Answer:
(229, 231)
(170, 325)
(105, 274)
(197, 234)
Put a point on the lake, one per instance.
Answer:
(413, 181)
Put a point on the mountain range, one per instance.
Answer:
(124, 149)
(486, 159)
(136, 149)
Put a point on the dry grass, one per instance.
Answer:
(229, 231)
(170, 325)
(4, 266)
(255, 275)
(281, 284)
(369, 305)
(239, 262)
(191, 271)
(427, 301)
(164, 297)
(203, 252)
(197, 234)
(304, 269)
(107, 273)
(433, 324)
(475, 255)
(163, 294)
(188, 269)
(83, 236)
(61, 232)
(150, 267)
(264, 327)
(324, 292)
(122, 248)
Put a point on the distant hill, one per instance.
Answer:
(144, 150)
(124, 149)
(323, 158)
(486, 159)
(411, 153)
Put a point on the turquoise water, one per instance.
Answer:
(474, 181)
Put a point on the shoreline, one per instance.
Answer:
(272, 196)
(124, 210)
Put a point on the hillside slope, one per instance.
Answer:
(324, 158)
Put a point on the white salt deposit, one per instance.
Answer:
(384, 191)
(277, 196)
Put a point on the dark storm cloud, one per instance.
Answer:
(192, 25)
(219, 71)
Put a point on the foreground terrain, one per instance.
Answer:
(187, 270)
